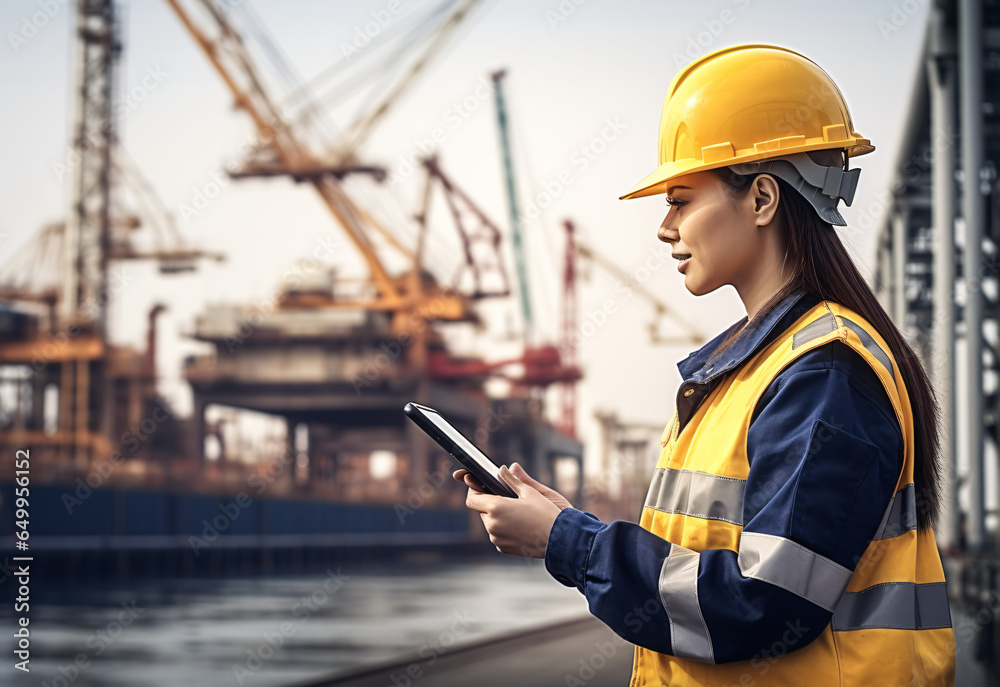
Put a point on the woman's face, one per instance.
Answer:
(725, 245)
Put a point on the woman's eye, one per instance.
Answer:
(673, 202)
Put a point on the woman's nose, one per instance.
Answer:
(665, 233)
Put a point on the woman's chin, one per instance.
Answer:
(690, 281)
(695, 286)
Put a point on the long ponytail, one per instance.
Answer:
(819, 262)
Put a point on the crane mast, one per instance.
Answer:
(85, 247)
(513, 207)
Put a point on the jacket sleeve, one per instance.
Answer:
(824, 449)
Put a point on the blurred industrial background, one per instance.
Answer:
(238, 237)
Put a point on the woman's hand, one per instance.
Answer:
(518, 526)
(552, 495)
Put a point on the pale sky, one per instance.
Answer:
(572, 69)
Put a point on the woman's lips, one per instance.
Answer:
(682, 265)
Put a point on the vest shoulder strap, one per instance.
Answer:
(828, 321)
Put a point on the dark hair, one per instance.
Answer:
(820, 263)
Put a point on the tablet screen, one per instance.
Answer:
(459, 439)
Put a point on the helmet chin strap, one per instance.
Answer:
(821, 185)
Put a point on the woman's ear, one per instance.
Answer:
(764, 195)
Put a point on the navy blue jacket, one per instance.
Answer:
(839, 496)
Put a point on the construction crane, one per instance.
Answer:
(405, 295)
(563, 368)
(88, 229)
(362, 128)
(37, 271)
(460, 205)
(291, 148)
(513, 207)
(288, 152)
(101, 389)
(170, 251)
(555, 368)
(569, 319)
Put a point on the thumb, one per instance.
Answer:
(511, 479)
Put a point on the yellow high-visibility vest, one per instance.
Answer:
(890, 623)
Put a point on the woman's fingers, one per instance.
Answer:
(528, 479)
(467, 478)
(546, 491)
(524, 476)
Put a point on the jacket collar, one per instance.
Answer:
(695, 367)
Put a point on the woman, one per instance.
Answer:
(786, 538)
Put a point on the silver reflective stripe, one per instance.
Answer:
(900, 516)
(689, 637)
(791, 566)
(894, 605)
(824, 324)
(697, 493)
(821, 326)
(870, 344)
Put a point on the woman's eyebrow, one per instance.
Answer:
(671, 189)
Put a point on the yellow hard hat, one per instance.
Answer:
(746, 103)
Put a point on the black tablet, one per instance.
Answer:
(460, 448)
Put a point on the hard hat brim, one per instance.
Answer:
(655, 182)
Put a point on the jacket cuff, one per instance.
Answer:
(568, 547)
